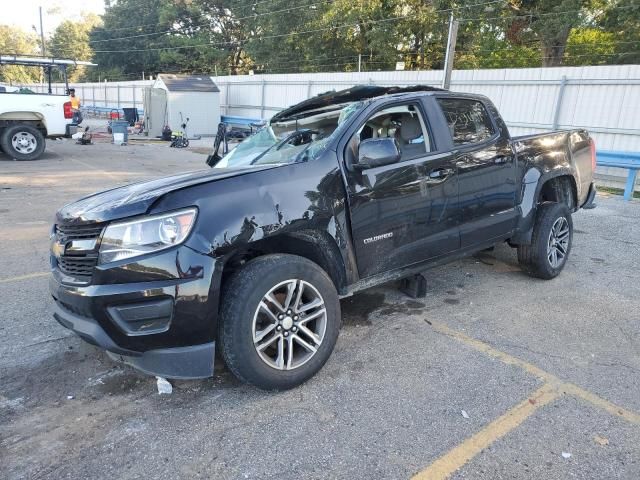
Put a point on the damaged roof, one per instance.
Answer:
(353, 94)
(188, 83)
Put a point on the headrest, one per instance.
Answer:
(410, 128)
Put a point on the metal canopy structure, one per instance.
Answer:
(47, 63)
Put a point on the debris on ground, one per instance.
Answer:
(164, 386)
(70, 397)
(601, 440)
(566, 455)
(464, 414)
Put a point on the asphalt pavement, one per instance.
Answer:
(492, 375)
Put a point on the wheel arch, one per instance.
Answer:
(315, 245)
(558, 186)
(28, 118)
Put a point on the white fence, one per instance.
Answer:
(603, 99)
(103, 94)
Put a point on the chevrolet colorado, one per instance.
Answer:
(341, 192)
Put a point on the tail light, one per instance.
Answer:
(68, 113)
(593, 154)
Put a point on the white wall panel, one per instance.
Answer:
(527, 97)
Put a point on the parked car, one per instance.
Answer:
(339, 193)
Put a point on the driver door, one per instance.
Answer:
(404, 212)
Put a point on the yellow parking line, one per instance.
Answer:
(599, 402)
(553, 388)
(24, 277)
(538, 372)
(458, 456)
(489, 350)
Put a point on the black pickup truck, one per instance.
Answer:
(341, 192)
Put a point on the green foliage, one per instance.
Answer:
(589, 46)
(71, 40)
(131, 38)
(283, 36)
(623, 23)
(16, 41)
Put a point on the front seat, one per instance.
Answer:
(411, 131)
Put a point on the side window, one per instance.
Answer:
(402, 122)
(469, 122)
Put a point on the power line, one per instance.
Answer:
(316, 30)
(250, 4)
(285, 10)
(532, 15)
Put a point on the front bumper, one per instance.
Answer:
(161, 324)
(194, 361)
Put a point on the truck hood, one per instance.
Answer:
(137, 198)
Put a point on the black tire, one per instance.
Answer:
(242, 295)
(534, 258)
(30, 132)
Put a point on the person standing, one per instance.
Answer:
(75, 106)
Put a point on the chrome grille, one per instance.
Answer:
(66, 233)
(78, 265)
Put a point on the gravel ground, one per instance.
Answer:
(387, 404)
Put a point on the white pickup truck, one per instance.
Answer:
(27, 119)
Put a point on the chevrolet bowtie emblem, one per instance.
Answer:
(57, 249)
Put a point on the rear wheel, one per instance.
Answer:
(550, 243)
(22, 142)
(279, 321)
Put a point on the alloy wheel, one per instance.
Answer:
(558, 244)
(289, 324)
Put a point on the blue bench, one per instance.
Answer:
(241, 121)
(628, 160)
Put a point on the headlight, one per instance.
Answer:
(147, 234)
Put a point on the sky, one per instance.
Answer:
(53, 12)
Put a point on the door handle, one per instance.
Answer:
(441, 173)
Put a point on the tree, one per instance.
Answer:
(71, 40)
(213, 35)
(272, 36)
(589, 46)
(129, 42)
(622, 20)
(548, 22)
(16, 41)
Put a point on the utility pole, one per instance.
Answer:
(41, 33)
(451, 51)
(359, 62)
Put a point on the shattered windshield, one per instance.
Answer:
(288, 141)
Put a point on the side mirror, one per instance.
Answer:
(377, 152)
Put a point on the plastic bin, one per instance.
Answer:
(120, 126)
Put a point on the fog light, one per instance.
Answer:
(143, 318)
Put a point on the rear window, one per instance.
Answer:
(468, 120)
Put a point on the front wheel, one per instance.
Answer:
(22, 142)
(550, 243)
(280, 319)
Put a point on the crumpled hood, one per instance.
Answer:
(137, 198)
